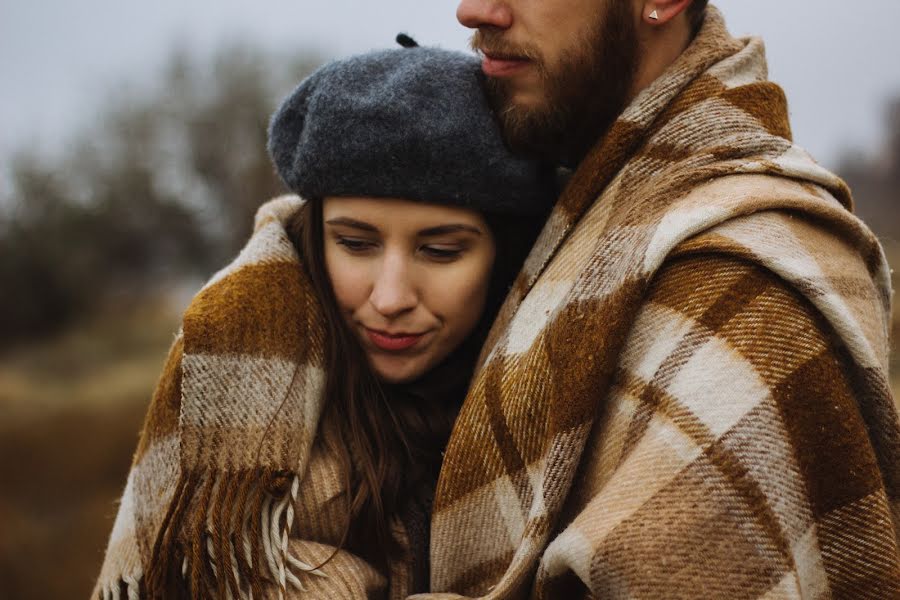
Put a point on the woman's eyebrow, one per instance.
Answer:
(348, 222)
(444, 229)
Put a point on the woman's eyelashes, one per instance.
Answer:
(356, 245)
(442, 253)
(435, 252)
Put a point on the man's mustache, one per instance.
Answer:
(492, 43)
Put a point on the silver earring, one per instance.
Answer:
(654, 16)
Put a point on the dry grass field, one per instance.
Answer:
(70, 410)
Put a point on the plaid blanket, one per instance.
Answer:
(684, 395)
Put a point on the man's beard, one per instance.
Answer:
(582, 96)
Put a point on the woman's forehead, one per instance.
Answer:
(397, 215)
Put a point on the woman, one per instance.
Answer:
(295, 437)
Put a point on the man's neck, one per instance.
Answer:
(660, 47)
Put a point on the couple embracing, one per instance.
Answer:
(574, 320)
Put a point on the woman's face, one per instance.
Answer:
(410, 279)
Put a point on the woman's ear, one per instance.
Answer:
(660, 12)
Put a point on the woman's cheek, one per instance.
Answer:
(349, 279)
(461, 295)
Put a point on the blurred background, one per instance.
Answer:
(132, 159)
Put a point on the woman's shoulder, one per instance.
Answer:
(262, 303)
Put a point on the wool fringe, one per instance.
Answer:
(126, 588)
(225, 535)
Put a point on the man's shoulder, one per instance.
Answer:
(714, 289)
(780, 234)
(761, 191)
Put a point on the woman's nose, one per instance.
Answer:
(484, 13)
(393, 292)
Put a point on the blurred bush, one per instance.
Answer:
(875, 180)
(101, 244)
(163, 186)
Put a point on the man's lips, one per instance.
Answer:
(496, 65)
(393, 342)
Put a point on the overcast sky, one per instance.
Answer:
(59, 59)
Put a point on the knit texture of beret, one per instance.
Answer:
(409, 123)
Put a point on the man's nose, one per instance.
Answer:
(393, 292)
(484, 13)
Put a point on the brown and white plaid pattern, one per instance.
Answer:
(696, 481)
(685, 394)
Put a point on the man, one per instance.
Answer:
(685, 395)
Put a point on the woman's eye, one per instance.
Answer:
(356, 245)
(441, 254)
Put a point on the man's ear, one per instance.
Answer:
(660, 12)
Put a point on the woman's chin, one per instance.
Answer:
(398, 370)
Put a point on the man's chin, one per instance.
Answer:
(528, 127)
(528, 123)
(520, 92)
(526, 101)
(516, 106)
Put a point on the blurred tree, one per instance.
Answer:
(875, 180)
(163, 187)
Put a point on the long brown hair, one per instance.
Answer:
(390, 438)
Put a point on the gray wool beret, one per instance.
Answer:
(410, 123)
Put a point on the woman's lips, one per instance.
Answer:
(393, 342)
(497, 66)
